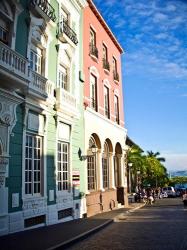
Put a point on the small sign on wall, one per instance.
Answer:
(76, 177)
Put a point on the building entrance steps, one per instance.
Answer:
(62, 235)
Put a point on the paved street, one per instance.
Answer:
(158, 227)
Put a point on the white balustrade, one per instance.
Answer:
(64, 98)
(38, 83)
(13, 61)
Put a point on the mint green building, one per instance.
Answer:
(41, 113)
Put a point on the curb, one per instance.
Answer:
(82, 236)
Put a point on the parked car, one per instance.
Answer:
(164, 195)
(170, 191)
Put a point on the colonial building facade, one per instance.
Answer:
(103, 116)
(41, 113)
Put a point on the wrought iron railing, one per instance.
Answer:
(106, 64)
(64, 27)
(46, 7)
(116, 76)
(93, 50)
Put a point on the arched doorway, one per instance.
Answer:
(118, 175)
(91, 163)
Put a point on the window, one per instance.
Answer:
(93, 48)
(36, 60)
(93, 94)
(63, 166)
(115, 72)
(63, 78)
(33, 164)
(105, 53)
(116, 109)
(91, 167)
(92, 37)
(106, 64)
(106, 102)
(105, 166)
(114, 62)
(3, 31)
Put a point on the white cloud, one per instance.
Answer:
(159, 17)
(175, 161)
(161, 36)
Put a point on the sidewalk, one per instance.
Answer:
(60, 236)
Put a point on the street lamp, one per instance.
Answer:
(85, 157)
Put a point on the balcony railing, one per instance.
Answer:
(64, 98)
(116, 76)
(45, 6)
(13, 61)
(93, 50)
(65, 28)
(106, 64)
(38, 83)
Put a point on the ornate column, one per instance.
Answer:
(8, 104)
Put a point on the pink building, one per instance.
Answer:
(104, 116)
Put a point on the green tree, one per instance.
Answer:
(152, 154)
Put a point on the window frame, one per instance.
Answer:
(35, 64)
(93, 92)
(116, 109)
(105, 166)
(30, 179)
(62, 173)
(63, 84)
(106, 102)
(91, 168)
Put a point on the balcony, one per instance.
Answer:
(106, 65)
(13, 68)
(93, 51)
(116, 76)
(64, 32)
(44, 8)
(38, 85)
(66, 102)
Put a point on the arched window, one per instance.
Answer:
(105, 166)
(91, 167)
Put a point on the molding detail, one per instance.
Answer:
(8, 105)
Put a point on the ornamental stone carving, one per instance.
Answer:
(8, 104)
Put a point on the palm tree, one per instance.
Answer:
(155, 155)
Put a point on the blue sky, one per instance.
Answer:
(154, 36)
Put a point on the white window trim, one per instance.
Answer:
(44, 150)
(70, 190)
